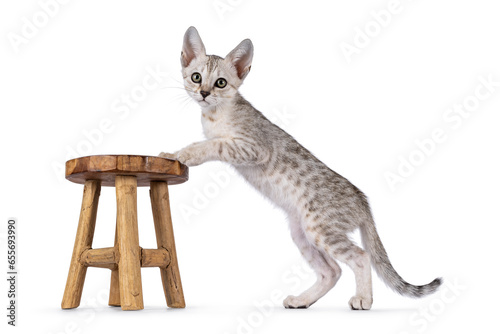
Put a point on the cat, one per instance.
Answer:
(323, 207)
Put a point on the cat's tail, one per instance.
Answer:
(385, 270)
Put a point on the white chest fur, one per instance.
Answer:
(216, 123)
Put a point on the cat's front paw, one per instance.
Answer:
(360, 303)
(167, 155)
(296, 302)
(188, 158)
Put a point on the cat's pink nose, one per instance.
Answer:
(204, 93)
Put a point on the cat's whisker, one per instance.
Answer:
(179, 82)
(182, 88)
(177, 87)
(185, 104)
(179, 97)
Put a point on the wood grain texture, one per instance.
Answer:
(155, 258)
(114, 288)
(128, 244)
(170, 275)
(114, 285)
(101, 258)
(107, 167)
(109, 257)
(83, 241)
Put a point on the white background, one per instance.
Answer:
(233, 247)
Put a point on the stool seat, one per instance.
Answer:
(106, 167)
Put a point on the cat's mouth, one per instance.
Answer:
(204, 103)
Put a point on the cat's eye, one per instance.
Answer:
(221, 83)
(196, 77)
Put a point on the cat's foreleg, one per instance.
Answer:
(231, 150)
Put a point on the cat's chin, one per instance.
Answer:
(205, 104)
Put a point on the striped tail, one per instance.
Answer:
(385, 270)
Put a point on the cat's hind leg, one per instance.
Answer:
(337, 245)
(327, 270)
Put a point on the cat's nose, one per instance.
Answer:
(204, 93)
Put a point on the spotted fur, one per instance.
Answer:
(322, 206)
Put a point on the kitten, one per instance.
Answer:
(322, 206)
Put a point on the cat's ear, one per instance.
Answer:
(241, 58)
(192, 47)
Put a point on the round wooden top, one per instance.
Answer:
(107, 167)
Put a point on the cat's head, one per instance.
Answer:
(212, 80)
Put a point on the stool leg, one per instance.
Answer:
(114, 289)
(129, 265)
(83, 241)
(170, 276)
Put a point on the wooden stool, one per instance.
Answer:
(125, 259)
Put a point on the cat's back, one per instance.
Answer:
(291, 168)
